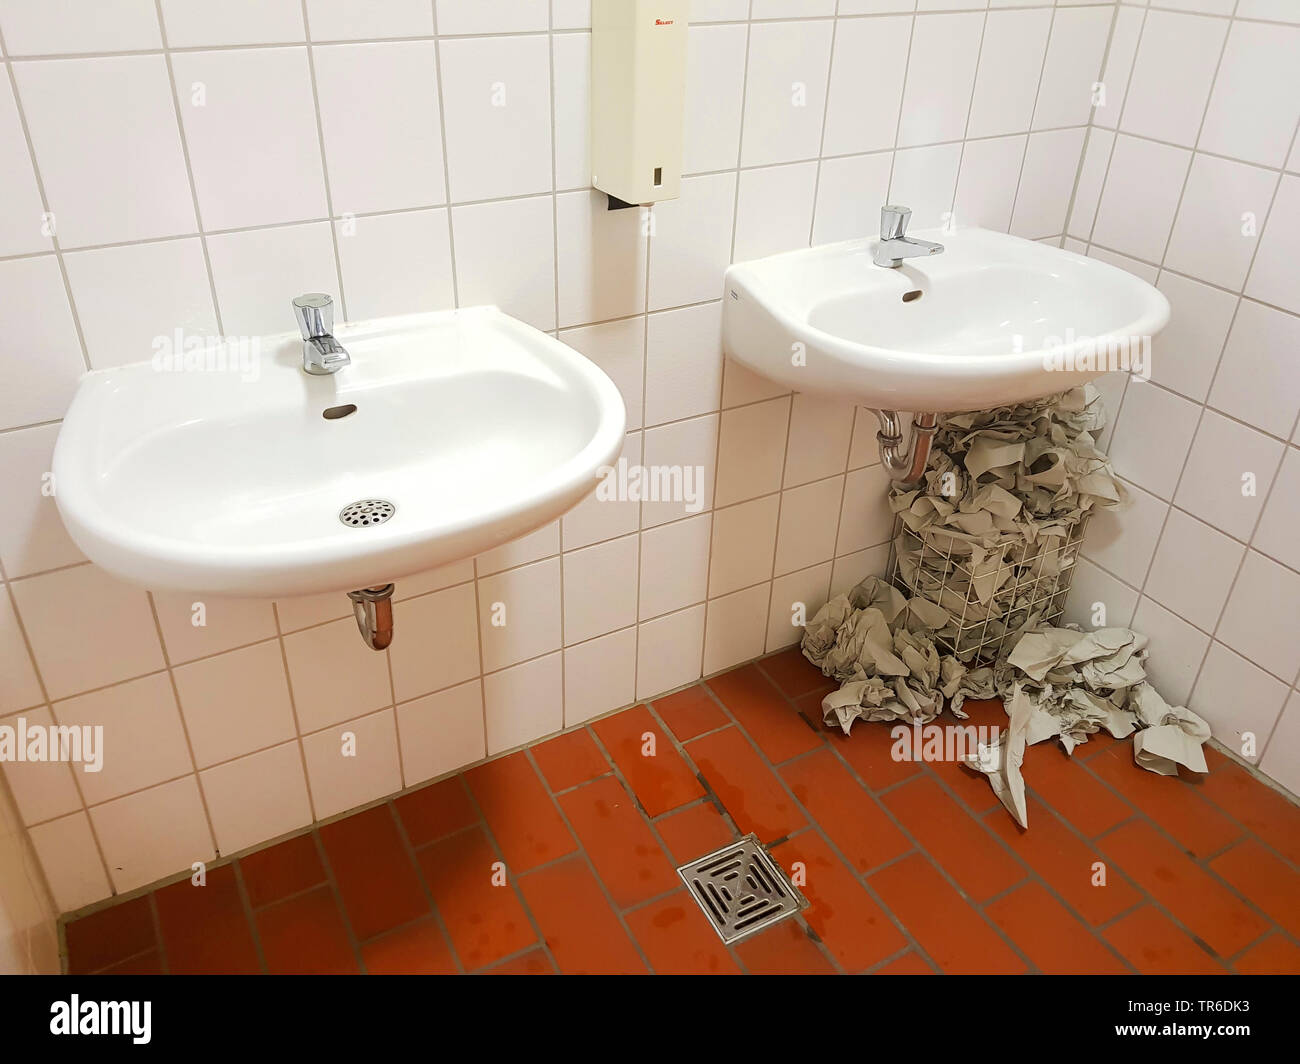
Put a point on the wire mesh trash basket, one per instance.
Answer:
(992, 595)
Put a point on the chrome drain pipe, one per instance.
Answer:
(907, 467)
(373, 609)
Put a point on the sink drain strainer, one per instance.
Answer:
(365, 512)
(741, 889)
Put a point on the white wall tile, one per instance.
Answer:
(1276, 534)
(70, 860)
(985, 195)
(940, 78)
(925, 179)
(439, 644)
(1263, 616)
(396, 263)
(793, 595)
(42, 790)
(691, 446)
(775, 210)
(1119, 66)
(869, 63)
(683, 375)
(669, 652)
(334, 676)
(820, 432)
(1172, 76)
(1236, 698)
(256, 798)
(497, 96)
(21, 688)
(691, 246)
(785, 91)
(809, 524)
(1271, 9)
(42, 355)
(571, 54)
(599, 676)
(1176, 650)
(865, 520)
(1138, 203)
(339, 20)
(1227, 462)
(352, 763)
(492, 16)
(1072, 67)
(521, 283)
(1123, 539)
(735, 628)
(719, 10)
(602, 259)
(570, 14)
(1092, 177)
(441, 732)
(21, 211)
(1191, 546)
(618, 348)
(1256, 98)
(1273, 278)
(381, 156)
(751, 451)
(524, 703)
(744, 539)
(674, 566)
(153, 833)
(527, 601)
(1152, 434)
(1184, 356)
(235, 703)
(1097, 599)
(715, 85)
(594, 518)
(1047, 183)
(195, 626)
(1010, 62)
(87, 629)
(119, 325)
(1211, 239)
(600, 589)
(1259, 378)
(1281, 759)
(32, 537)
(849, 194)
(59, 27)
(258, 272)
(196, 23)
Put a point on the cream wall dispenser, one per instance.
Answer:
(638, 99)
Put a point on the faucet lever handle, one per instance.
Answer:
(315, 314)
(893, 222)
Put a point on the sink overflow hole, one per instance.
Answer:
(336, 412)
(366, 512)
(908, 297)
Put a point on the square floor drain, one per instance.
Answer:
(741, 889)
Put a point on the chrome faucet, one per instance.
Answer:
(321, 353)
(895, 245)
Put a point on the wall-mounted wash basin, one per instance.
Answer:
(234, 472)
(993, 319)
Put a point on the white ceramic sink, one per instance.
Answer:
(998, 319)
(476, 427)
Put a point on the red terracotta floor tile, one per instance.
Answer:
(1176, 806)
(858, 827)
(784, 949)
(745, 785)
(1216, 759)
(691, 712)
(1274, 956)
(416, 949)
(376, 878)
(568, 760)
(1261, 809)
(678, 940)
(955, 839)
(110, 935)
(204, 929)
(436, 810)
(970, 786)
(658, 775)
(794, 674)
(534, 962)
(519, 812)
(868, 750)
(772, 722)
(694, 832)
(622, 848)
(1155, 945)
(1056, 942)
(1069, 788)
(306, 936)
(1066, 862)
(141, 964)
(1203, 905)
(287, 868)
(581, 930)
(943, 923)
(484, 920)
(850, 924)
(910, 963)
(1266, 880)
(1101, 742)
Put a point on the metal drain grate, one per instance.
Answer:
(741, 889)
(366, 512)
